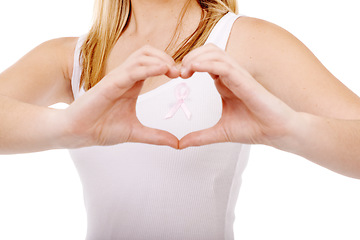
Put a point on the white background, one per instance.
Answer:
(283, 196)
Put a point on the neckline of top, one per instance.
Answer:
(144, 96)
(168, 84)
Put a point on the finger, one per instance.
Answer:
(189, 69)
(154, 52)
(213, 67)
(143, 72)
(203, 137)
(219, 56)
(224, 91)
(173, 71)
(204, 53)
(123, 79)
(145, 60)
(239, 83)
(200, 51)
(208, 59)
(142, 134)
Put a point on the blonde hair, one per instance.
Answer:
(110, 20)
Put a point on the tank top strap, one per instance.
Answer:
(219, 36)
(77, 69)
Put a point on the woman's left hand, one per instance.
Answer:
(251, 114)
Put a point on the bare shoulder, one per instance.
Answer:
(61, 49)
(289, 70)
(249, 26)
(44, 73)
(254, 42)
(54, 55)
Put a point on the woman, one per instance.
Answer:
(112, 208)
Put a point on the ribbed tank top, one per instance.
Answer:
(135, 191)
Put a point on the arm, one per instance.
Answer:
(334, 143)
(39, 79)
(253, 114)
(104, 115)
(28, 128)
(289, 70)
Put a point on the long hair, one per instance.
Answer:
(110, 20)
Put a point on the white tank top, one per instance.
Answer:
(136, 191)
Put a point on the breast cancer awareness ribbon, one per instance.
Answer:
(181, 93)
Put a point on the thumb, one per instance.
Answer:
(142, 134)
(211, 135)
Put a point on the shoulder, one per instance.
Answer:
(254, 42)
(45, 69)
(60, 50)
(258, 31)
(63, 42)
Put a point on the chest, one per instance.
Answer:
(127, 46)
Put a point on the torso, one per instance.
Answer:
(140, 191)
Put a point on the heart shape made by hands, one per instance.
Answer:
(106, 115)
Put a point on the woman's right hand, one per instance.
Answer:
(105, 114)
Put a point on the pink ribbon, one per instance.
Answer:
(181, 92)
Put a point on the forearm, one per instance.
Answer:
(332, 143)
(29, 128)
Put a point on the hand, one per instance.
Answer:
(105, 115)
(251, 114)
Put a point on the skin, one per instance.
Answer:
(269, 96)
(252, 115)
